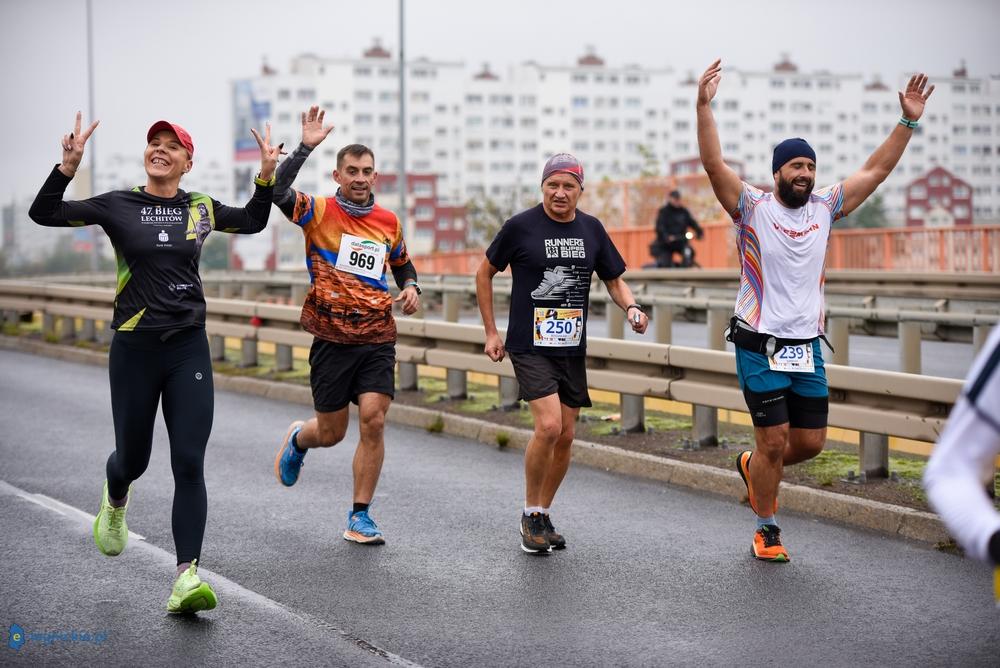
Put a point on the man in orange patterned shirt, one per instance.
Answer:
(349, 242)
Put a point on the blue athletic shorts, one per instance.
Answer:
(777, 397)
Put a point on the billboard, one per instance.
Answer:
(251, 109)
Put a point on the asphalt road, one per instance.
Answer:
(653, 575)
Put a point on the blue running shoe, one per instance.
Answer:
(288, 463)
(361, 528)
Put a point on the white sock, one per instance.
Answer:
(532, 509)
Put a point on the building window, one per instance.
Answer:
(579, 102)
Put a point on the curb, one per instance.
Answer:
(875, 515)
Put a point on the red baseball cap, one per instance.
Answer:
(182, 134)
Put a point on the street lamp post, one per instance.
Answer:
(402, 127)
(94, 263)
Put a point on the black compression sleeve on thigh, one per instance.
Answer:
(808, 412)
(767, 409)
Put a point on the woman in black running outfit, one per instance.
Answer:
(159, 349)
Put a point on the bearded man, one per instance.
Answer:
(779, 319)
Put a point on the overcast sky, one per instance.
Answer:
(175, 59)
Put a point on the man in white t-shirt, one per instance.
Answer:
(782, 238)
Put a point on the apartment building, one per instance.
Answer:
(487, 131)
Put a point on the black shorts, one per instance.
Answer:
(770, 409)
(541, 375)
(339, 372)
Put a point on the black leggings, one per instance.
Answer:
(143, 368)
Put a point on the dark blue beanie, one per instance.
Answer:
(790, 149)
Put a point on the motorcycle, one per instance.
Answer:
(664, 253)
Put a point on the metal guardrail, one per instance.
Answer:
(876, 403)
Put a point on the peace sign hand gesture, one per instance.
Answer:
(72, 146)
(313, 132)
(913, 100)
(268, 154)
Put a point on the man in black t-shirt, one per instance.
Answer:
(552, 249)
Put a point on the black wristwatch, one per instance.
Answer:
(414, 285)
(632, 306)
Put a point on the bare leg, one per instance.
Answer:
(803, 444)
(323, 431)
(538, 456)
(766, 467)
(370, 453)
(561, 454)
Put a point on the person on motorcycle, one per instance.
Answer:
(672, 223)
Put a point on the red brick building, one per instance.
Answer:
(938, 199)
(431, 226)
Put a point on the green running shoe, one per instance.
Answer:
(110, 529)
(190, 594)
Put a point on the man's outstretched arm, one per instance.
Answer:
(880, 164)
(725, 182)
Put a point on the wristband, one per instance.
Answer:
(261, 182)
(414, 285)
(906, 122)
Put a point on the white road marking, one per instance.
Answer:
(219, 582)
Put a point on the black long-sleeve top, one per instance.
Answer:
(157, 242)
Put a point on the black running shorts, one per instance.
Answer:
(339, 372)
(540, 375)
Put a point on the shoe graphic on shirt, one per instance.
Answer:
(555, 283)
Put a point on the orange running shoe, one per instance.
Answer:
(743, 468)
(767, 544)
